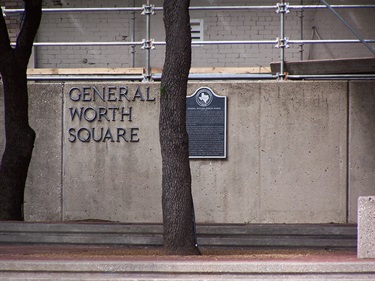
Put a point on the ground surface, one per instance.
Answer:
(83, 252)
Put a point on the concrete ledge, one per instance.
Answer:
(366, 227)
(178, 265)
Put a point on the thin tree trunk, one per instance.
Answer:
(177, 202)
(19, 136)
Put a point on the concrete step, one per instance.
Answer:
(72, 251)
(226, 235)
(188, 269)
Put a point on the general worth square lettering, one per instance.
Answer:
(93, 114)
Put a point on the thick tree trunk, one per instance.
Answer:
(19, 136)
(177, 202)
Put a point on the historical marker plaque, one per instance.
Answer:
(206, 124)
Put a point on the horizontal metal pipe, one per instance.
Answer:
(77, 10)
(333, 77)
(118, 9)
(224, 42)
(206, 76)
(155, 77)
(86, 43)
(299, 7)
(228, 42)
(229, 8)
(83, 77)
(192, 8)
(231, 76)
(329, 41)
(234, 42)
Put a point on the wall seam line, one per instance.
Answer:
(62, 151)
(348, 152)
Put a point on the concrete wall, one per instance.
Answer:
(287, 153)
(218, 25)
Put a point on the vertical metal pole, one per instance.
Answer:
(282, 36)
(302, 32)
(148, 38)
(133, 36)
(282, 44)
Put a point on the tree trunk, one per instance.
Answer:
(177, 201)
(19, 136)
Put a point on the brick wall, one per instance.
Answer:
(84, 27)
(238, 26)
(218, 25)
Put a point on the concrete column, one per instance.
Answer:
(366, 227)
(361, 143)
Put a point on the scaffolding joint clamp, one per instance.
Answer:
(282, 8)
(282, 76)
(147, 44)
(282, 43)
(148, 10)
(147, 78)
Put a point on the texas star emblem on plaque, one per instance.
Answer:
(204, 97)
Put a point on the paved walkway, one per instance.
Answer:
(82, 262)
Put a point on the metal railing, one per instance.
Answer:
(147, 44)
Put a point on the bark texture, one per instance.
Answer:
(19, 136)
(177, 201)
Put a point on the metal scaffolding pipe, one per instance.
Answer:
(349, 27)
(231, 8)
(206, 76)
(282, 44)
(76, 10)
(86, 43)
(148, 11)
(133, 36)
(301, 16)
(229, 42)
(156, 77)
(234, 42)
(298, 7)
(82, 77)
(192, 8)
(332, 41)
(333, 77)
